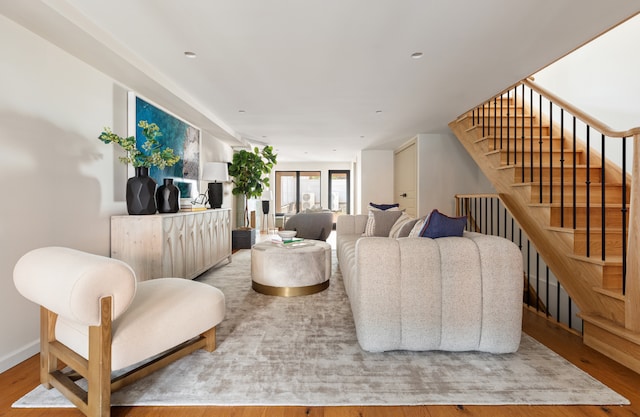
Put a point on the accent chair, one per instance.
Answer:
(96, 319)
(311, 225)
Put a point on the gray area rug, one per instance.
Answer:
(304, 351)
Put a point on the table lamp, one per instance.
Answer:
(218, 173)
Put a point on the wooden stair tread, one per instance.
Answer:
(610, 292)
(547, 166)
(612, 327)
(583, 229)
(567, 184)
(609, 261)
(584, 205)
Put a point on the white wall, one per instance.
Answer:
(60, 183)
(445, 169)
(601, 78)
(376, 178)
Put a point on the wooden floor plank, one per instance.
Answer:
(21, 379)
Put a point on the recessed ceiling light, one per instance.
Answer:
(416, 55)
(190, 54)
(378, 111)
(241, 111)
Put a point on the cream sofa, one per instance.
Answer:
(413, 293)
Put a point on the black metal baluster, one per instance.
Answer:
(575, 201)
(508, 124)
(515, 126)
(475, 215)
(528, 271)
(483, 120)
(603, 200)
(531, 136)
(547, 293)
(557, 301)
(624, 215)
(501, 112)
(540, 148)
(522, 133)
(492, 215)
(588, 196)
(486, 211)
(550, 152)
(495, 122)
(537, 281)
(561, 167)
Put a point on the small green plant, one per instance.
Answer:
(250, 172)
(152, 153)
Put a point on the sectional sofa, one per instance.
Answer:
(416, 293)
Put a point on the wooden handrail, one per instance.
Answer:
(585, 117)
(632, 285)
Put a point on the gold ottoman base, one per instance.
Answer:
(289, 291)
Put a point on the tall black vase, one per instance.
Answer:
(141, 191)
(168, 197)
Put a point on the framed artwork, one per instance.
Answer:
(177, 134)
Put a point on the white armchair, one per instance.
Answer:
(97, 319)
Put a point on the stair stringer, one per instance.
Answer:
(577, 277)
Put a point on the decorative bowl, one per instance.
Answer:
(287, 234)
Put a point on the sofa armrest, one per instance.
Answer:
(351, 224)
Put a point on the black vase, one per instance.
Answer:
(141, 191)
(168, 197)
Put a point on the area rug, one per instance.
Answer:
(304, 351)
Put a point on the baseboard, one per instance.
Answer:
(19, 355)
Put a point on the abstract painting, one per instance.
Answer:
(177, 134)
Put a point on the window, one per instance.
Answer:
(297, 191)
(339, 192)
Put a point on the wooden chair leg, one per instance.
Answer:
(210, 336)
(48, 362)
(99, 380)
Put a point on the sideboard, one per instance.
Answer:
(183, 244)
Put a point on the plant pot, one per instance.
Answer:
(243, 238)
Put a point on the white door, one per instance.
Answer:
(405, 177)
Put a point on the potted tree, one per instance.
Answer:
(250, 177)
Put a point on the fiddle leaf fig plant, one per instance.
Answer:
(250, 171)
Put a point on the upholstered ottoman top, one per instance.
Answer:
(290, 271)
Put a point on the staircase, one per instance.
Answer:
(570, 200)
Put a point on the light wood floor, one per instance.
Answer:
(19, 380)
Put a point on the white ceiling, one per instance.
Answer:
(319, 79)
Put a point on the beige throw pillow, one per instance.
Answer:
(384, 221)
(397, 226)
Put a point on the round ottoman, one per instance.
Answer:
(290, 271)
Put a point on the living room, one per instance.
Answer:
(65, 185)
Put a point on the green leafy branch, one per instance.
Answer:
(155, 154)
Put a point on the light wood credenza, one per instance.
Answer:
(183, 244)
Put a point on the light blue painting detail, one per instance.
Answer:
(183, 138)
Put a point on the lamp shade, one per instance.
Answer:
(215, 171)
(266, 195)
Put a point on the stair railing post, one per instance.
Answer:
(632, 310)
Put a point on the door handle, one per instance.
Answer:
(403, 195)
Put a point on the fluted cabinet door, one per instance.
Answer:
(183, 244)
(206, 231)
(173, 254)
